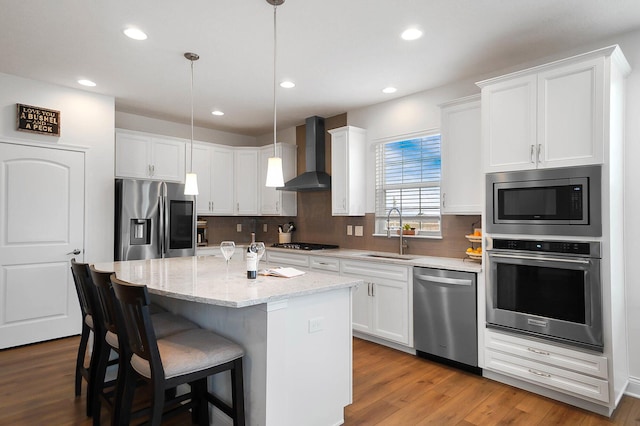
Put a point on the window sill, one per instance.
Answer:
(420, 237)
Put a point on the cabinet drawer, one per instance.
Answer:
(581, 362)
(293, 259)
(375, 270)
(324, 263)
(548, 376)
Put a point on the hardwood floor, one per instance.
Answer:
(390, 388)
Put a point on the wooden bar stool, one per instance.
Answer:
(90, 324)
(115, 340)
(187, 357)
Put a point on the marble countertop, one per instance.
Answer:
(449, 263)
(205, 279)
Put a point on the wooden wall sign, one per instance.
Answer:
(38, 120)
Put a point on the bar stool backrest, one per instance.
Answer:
(84, 287)
(106, 299)
(134, 304)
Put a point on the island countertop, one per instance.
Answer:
(204, 279)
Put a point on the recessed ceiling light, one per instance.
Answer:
(411, 34)
(287, 84)
(217, 112)
(87, 83)
(135, 33)
(389, 90)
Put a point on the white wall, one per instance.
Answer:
(419, 112)
(124, 120)
(87, 120)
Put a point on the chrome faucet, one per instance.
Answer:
(402, 243)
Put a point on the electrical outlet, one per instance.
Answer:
(264, 228)
(359, 231)
(349, 230)
(239, 227)
(315, 324)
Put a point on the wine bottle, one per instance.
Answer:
(252, 258)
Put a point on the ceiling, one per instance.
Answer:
(340, 53)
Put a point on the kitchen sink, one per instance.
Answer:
(391, 256)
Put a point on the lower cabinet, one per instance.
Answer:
(570, 371)
(381, 305)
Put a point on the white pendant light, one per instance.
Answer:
(191, 179)
(275, 177)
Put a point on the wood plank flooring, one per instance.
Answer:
(390, 388)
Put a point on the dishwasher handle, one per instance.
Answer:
(444, 280)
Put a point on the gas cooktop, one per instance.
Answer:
(305, 246)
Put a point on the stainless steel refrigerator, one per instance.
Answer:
(153, 219)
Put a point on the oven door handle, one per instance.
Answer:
(554, 259)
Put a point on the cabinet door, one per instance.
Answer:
(361, 320)
(202, 167)
(339, 177)
(462, 176)
(222, 184)
(168, 159)
(390, 310)
(133, 154)
(509, 124)
(269, 197)
(246, 177)
(348, 171)
(571, 114)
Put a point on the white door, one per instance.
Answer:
(41, 225)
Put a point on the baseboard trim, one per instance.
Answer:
(633, 388)
(384, 342)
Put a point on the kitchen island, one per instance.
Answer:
(296, 332)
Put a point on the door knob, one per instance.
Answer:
(75, 252)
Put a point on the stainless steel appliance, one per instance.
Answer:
(304, 246)
(550, 289)
(563, 201)
(445, 316)
(153, 219)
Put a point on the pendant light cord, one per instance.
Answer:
(275, 51)
(191, 156)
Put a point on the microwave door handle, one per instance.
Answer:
(553, 259)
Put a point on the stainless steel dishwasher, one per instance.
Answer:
(445, 317)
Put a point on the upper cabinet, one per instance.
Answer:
(348, 186)
(246, 181)
(214, 166)
(272, 201)
(145, 156)
(549, 116)
(462, 179)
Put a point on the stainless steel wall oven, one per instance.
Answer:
(550, 289)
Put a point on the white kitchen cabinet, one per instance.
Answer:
(348, 186)
(146, 156)
(462, 177)
(279, 258)
(214, 166)
(272, 201)
(381, 306)
(570, 371)
(246, 181)
(548, 116)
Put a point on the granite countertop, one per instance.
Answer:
(204, 279)
(449, 263)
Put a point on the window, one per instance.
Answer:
(408, 178)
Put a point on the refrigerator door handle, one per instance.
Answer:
(161, 248)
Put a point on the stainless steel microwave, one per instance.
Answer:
(565, 201)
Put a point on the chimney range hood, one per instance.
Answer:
(315, 178)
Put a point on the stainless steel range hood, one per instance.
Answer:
(315, 178)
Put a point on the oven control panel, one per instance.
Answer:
(562, 247)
